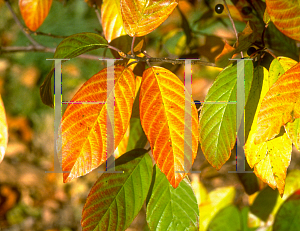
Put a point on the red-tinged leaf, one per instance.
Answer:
(3, 130)
(142, 17)
(223, 59)
(279, 104)
(116, 198)
(285, 16)
(34, 12)
(84, 131)
(112, 22)
(162, 113)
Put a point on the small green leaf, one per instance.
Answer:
(218, 121)
(70, 47)
(287, 217)
(172, 209)
(228, 219)
(116, 198)
(137, 137)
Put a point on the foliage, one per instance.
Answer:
(153, 104)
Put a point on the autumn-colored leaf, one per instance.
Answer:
(223, 59)
(116, 198)
(270, 159)
(245, 39)
(112, 22)
(285, 16)
(217, 126)
(3, 130)
(142, 17)
(279, 104)
(70, 47)
(162, 113)
(84, 126)
(34, 12)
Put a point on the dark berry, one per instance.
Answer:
(246, 10)
(251, 50)
(219, 8)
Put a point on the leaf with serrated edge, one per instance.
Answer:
(34, 12)
(83, 126)
(3, 130)
(70, 47)
(278, 105)
(270, 159)
(162, 111)
(172, 209)
(112, 22)
(116, 198)
(285, 16)
(142, 17)
(217, 127)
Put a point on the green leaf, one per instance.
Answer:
(218, 199)
(218, 121)
(172, 209)
(264, 203)
(70, 47)
(228, 219)
(137, 137)
(288, 215)
(116, 198)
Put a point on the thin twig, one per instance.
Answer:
(132, 45)
(44, 34)
(21, 26)
(232, 22)
(98, 14)
(33, 48)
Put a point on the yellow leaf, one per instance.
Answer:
(142, 17)
(278, 105)
(3, 130)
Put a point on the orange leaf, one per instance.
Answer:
(83, 126)
(223, 59)
(112, 22)
(34, 12)
(279, 104)
(285, 16)
(142, 17)
(3, 131)
(162, 113)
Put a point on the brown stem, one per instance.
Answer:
(232, 22)
(21, 26)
